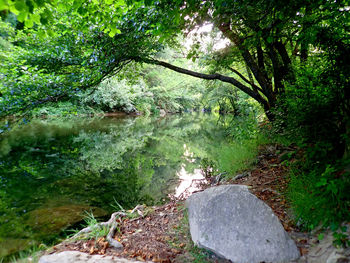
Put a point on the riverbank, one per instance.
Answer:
(161, 233)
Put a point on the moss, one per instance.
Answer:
(54, 219)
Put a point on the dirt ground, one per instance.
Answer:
(162, 234)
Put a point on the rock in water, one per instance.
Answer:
(236, 225)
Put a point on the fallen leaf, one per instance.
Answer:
(92, 250)
(303, 251)
(139, 258)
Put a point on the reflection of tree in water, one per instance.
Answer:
(93, 162)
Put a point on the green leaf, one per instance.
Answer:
(35, 18)
(114, 31)
(42, 34)
(77, 4)
(3, 5)
(320, 236)
(322, 182)
(14, 10)
(50, 32)
(29, 23)
(20, 5)
(22, 16)
(119, 3)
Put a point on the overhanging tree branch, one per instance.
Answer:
(246, 80)
(254, 94)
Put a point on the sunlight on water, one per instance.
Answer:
(189, 181)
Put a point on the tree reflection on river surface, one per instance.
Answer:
(51, 171)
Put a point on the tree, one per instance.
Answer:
(270, 38)
(266, 36)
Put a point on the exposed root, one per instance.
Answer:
(111, 223)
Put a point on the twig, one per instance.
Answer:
(271, 190)
(239, 176)
(219, 177)
(139, 209)
(269, 182)
(112, 242)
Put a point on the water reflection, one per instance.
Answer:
(189, 181)
(64, 168)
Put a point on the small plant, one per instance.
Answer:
(319, 196)
(117, 207)
(31, 255)
(341, 238)
(207, 167)
(96, 231)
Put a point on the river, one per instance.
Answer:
(54, 172)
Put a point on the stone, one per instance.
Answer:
(79, 257)
(234, 224)
(325, 251)
(336, 257)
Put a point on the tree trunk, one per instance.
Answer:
(266, 103)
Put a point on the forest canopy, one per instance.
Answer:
(77, 44)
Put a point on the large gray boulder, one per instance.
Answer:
(79, 257)
(236, 225)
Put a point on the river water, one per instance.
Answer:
(52, 172)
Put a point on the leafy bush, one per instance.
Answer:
(63, 109)
(113, 94)
(313, 115)
(311, 111)
(321, 196)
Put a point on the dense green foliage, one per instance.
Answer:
(291, 58)
(315, 115)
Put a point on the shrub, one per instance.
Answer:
(321, 196)
(113, 94)
(313, 115)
